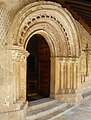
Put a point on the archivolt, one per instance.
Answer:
(51, 18)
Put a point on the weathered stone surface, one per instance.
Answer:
(66, 39)
(81, 112)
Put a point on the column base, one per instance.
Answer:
(52, 96)
(70, 98)
(19, 114)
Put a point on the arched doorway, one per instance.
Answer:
(38, 68)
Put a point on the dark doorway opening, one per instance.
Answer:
(38, 68)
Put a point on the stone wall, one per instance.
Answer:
(4, 23)
(85, 38)
(8, 9)
(86, 79)
(66, 39)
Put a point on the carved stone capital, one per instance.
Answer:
(17, 53)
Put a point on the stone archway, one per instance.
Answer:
(53, 60)
(48, 17)
(60, 31)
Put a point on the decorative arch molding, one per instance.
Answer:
(60, 31)
(53, 20)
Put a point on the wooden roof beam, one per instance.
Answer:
(83, 14)
(79, 2)
(80, 10)
(79, 6)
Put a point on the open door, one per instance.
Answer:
(38, 68)
(44, 68)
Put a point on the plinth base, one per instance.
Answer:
(19, 114)
(70, 98)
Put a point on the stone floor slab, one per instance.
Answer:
(81, 112)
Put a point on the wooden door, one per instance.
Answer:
(44, 68)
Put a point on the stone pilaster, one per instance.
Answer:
(54, 77)
(12, 102)
(19, 67)
(70, 80)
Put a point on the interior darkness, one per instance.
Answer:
(38, 68)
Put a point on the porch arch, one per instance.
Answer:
(50, 14)
(59, 29)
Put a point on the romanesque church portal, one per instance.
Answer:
(43, 54)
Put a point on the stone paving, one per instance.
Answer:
(81, 112)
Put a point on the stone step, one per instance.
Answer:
(40, 103)
(45, 111)
(56, 114)
(86, 94)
